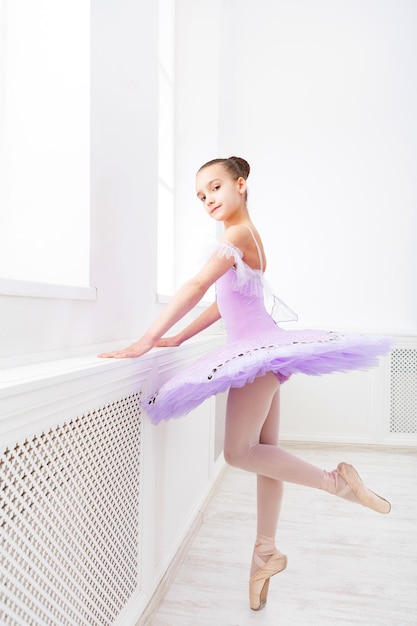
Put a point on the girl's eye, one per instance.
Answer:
(216, 188)
(202, 198)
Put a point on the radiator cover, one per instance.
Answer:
(70, 520)
(403, 391)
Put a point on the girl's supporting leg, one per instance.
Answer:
(269, 490)
(269, 493)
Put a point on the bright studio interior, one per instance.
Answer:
(107, 110)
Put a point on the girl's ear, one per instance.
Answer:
(241, 185)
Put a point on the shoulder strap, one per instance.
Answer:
(261, 263)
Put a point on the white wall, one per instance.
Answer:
(320, 98)
(124, 165)
(197, 106)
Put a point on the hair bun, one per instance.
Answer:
(242, 165)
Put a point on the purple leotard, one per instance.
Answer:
(256, 344)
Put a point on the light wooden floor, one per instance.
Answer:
(347, 566)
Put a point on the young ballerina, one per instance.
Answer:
(257, 357)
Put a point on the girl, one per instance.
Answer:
(257, 357)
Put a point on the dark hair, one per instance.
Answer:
(236, 166)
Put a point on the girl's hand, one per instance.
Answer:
(168, 342)
(140, 347)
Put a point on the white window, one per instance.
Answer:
(44, 142)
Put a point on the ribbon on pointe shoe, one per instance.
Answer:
(365, 496)
(259, 581)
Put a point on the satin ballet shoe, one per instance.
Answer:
(259, 581)
(365, 496)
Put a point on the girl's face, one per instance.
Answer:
(222, 196)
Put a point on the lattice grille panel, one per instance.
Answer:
(69, 520)
(403, 401)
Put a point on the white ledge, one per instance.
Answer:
(23, 377)
(37, 396)
(31, 289)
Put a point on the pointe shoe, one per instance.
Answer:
(259, 581)
(365, 496)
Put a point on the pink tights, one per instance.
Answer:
(251, 443)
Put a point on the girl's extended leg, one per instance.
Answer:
(247, 411)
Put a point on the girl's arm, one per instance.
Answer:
(182, 302)
(203, 321)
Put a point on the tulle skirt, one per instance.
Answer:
(282, 352)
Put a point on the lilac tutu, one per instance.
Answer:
(256, 345)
